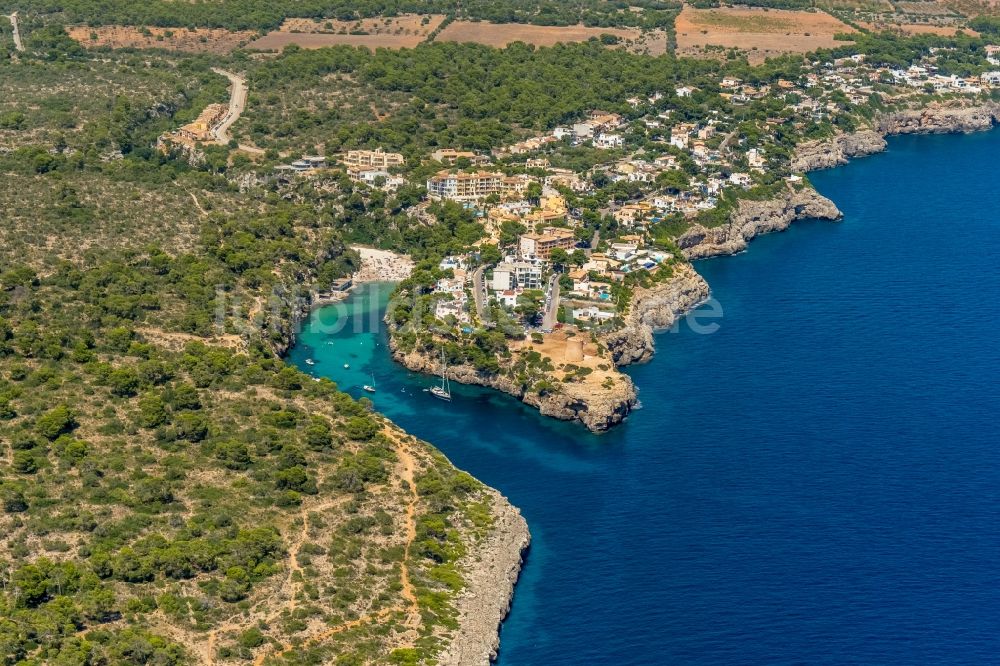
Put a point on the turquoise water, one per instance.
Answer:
(816, 482)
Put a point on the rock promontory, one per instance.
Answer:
(753, 218)
(655, 308)
(491, 569)
(815, 155)
(935, 118)
(599, 400)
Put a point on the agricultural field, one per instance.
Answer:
(930, 9)
(502, 34)
(404, 31)
(973, 8)
(189, 40)
(760, 32)
(856, 6)
(917, 28)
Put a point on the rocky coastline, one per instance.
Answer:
(932, 119)
(663, 306)
(598, 411)
(652, 309)
(494, 565)
(754, 218)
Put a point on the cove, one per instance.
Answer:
(816, 482)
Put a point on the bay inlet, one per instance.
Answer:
(817, 481)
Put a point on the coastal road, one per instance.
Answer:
(237, 105)
(479, 293)
(18, 44)
(551, 316)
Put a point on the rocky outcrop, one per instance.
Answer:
(598, 409)
(816, 155)
(934, 119)
(491, 570)
(658, 307)
(940, 119)
(753, 218)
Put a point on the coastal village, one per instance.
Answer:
(552, 269)
(572, 223)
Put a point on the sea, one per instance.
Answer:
(814, 479)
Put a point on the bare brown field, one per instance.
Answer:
(404, 31)
(918, 28)
(199, 40)
(502, 34)
(760, 32)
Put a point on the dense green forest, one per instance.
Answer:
(162, 470)
(462, 95)
(268, 14)
(988, 25)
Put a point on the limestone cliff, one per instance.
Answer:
(490, 570)
(598, 408)
(837, 151)
(940, 119)
(753, 218)
(936, 118)
(658, 307)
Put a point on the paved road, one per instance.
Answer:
(594, 242)
(479, 293)
(237, 104)
(729, 139)
(17, 32)
(551, 317)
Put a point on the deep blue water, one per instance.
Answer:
(816, 482)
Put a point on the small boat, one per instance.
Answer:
(346, 366)
(370, 387)
(442, 392)
(309, 361)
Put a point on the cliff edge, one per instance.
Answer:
(753, 218)
(598, 401)
(934, 119)
(658, 307)
(493, 569)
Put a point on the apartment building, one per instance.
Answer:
(372, 159)
(450, 155)
(465, 186)
(540, 246)
(516, 274)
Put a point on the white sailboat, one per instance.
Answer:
(370, 387)
(442, 392)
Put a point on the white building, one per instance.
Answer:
(516, 274)
(608, 141)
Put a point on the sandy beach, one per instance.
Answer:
(382, 266)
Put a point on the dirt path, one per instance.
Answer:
(411, 606)
(18, 44)
(175, 340)
(409, 592)
(198, 204)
